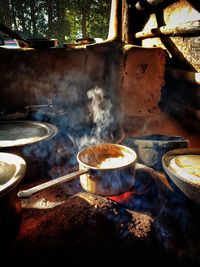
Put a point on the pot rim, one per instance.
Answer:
(124, 148)
(20, 165)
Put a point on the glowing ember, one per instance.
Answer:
(127, 196)
(123, 197)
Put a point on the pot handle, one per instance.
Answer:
(33, 190)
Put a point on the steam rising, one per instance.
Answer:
(100, 109)
(87, 121)
(100, 112)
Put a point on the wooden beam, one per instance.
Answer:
(191, 28)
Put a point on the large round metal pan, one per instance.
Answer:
(19, 133)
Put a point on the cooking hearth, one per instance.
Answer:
(141, 81)
(67, 222)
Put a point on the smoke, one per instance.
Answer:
(100, 112)
(87, 120)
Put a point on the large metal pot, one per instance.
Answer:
(12, 170)
(104, 169)
(29, 140)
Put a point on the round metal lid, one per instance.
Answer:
(12, 170)
(17, 133)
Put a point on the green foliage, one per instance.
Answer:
(65, 20)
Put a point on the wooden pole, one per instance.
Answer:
(115, 26)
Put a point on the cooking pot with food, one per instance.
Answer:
(104, 169)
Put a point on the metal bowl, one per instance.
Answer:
(151, 148)
(179, 179)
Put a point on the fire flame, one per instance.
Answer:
(125, 197)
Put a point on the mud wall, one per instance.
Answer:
(131, 77)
